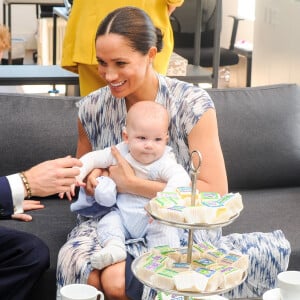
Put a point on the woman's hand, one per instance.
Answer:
(171, 9)
(27, 206)
(121, 173)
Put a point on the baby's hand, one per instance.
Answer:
(91, 181)
(71, 194)
(80, 183)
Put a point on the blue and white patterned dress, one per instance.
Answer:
(103, 117)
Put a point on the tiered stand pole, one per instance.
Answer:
(194, 175)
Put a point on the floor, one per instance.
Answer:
(233, 76)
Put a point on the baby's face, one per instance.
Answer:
(147, 142)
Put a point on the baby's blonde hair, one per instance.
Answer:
(149, 110)
(4, 38)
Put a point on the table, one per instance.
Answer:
(9, 3)
(37, 75)
(195, 74)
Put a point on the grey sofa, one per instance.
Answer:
(260, 135)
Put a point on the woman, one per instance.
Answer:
(78, 53)
(126, 45)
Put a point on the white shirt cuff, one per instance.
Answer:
(17, 192)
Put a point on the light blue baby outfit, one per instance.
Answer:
(128, 219)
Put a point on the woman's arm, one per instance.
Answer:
(205, 138)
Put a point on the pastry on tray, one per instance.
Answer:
(206, 207)
(211, 269)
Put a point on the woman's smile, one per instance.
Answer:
(118, 88)
(117, 84)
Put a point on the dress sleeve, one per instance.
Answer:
(6, 201)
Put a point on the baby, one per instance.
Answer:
(145, 148)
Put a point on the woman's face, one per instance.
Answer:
(124, 69)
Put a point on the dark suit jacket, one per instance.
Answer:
(6, 203)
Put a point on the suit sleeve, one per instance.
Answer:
(6, 201)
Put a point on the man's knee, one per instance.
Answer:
(36, 252)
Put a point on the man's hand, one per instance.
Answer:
(53, 176)
(27, 206)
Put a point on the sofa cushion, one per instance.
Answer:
(267, 210)
(34, 128)
(259, 129)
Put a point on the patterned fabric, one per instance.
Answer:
(103, 117)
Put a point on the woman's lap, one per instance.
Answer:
(268, 255)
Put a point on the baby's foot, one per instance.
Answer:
(107, 256)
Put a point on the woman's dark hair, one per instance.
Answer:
(135, 25)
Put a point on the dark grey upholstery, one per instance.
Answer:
(39, 127)
(34, 129)
(259, 130)
(260, 135)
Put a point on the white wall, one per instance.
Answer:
(24, 22)
(230, 7)
(276, 42)
(245, 27)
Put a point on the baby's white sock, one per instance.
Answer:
(113, 252)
